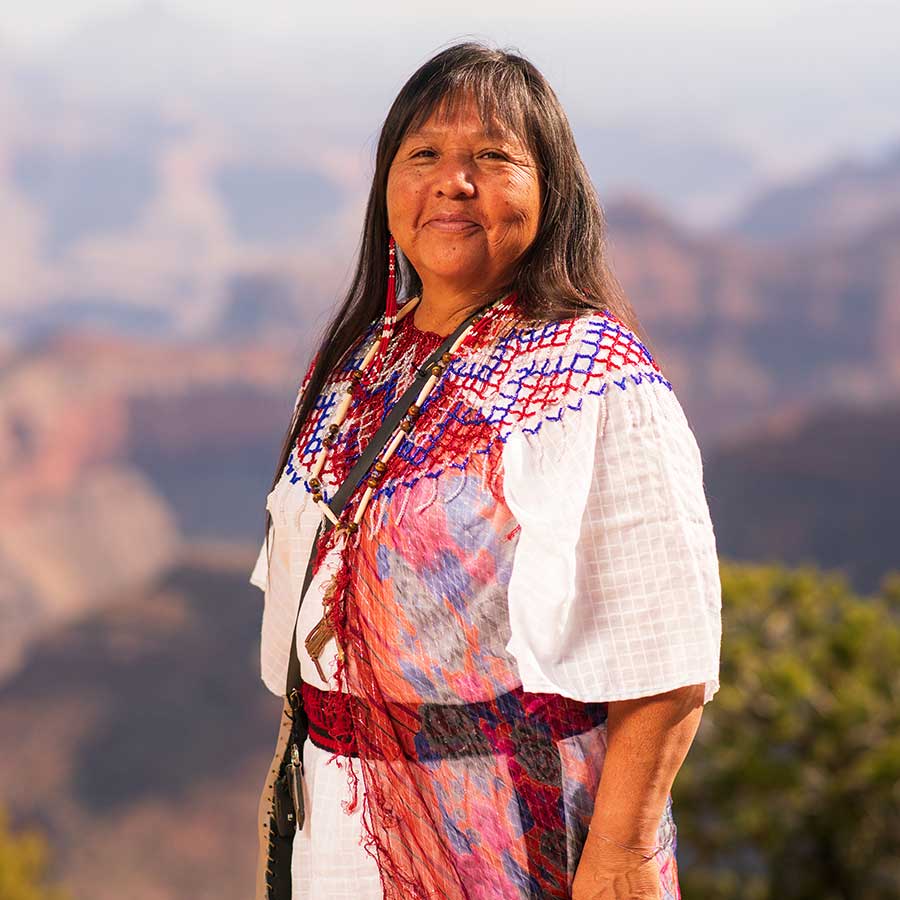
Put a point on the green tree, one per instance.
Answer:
(792, 787)
(23, 865)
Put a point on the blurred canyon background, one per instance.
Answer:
(181, 196)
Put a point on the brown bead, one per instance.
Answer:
(316, 496)
(372, 481)
(447, 358)
(406, 425)
(437, 369)
(334, 427)
(380, 465)
(413, 410)
(315, 484)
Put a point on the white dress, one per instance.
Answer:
(613, 592)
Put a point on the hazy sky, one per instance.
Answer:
(744, 20)
(800, 81)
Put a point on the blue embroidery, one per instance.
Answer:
(510, 391)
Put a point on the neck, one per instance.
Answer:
(441, 311)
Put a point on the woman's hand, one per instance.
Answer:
(608, 872)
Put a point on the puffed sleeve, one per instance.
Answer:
(614, 591)
(289, 538)
(275, 576)
(259, 577)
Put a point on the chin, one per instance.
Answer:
(456, 266)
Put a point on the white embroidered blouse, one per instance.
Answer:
(612, 589)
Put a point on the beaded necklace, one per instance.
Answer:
(323, 630)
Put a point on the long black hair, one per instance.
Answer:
(563, 273)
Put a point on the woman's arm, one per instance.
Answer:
(648, 739)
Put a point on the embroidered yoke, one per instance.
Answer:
(539, 545)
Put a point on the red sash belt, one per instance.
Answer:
(429, 731)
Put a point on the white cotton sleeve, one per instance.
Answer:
(259, 577)
(273, 576)
(614, 591)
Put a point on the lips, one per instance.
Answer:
(452, 223)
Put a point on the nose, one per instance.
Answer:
(454, 178)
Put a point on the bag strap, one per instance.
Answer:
(359, 471)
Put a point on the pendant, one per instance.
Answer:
(322, 632)
(315, 642)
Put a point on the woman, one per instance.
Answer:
(508, 638)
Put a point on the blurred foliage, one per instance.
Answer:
(792, 787)
(23, 865)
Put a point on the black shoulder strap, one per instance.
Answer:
(359, 471)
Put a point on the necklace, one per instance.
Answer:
(323, 630)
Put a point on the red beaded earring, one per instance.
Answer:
(390, 311)
(390, 306)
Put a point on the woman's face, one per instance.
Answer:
(463, 205)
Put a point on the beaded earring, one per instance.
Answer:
(391, 303)
(390, 306)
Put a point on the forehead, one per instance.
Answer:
(461, 114)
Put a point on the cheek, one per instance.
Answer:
(403, 200)
(520, 200)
